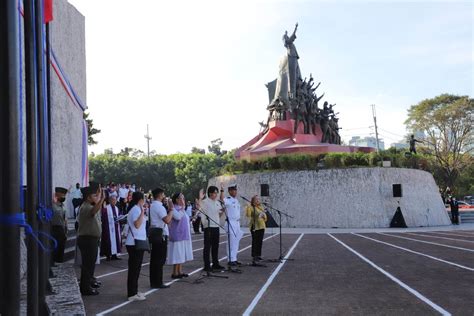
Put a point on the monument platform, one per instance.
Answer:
(345, 198)
(280, 138)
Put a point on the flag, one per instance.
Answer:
(48, 10)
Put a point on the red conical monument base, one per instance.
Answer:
(279, 139)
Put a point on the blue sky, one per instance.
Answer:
(204, 64)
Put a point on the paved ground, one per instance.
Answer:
(368, 272)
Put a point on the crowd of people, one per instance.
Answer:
(108, 215)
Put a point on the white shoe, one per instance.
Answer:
(136, 298)
(141, 294)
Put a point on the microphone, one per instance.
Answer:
(244, 198)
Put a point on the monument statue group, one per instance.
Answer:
(297, 123)
(292, 95)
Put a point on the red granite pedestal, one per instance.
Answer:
(279, 139)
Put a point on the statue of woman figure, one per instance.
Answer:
(293, 67)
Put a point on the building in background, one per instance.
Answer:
(399, 145)
(367, 141)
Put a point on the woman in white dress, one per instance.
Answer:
(180, 248)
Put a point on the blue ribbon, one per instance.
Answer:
(45, 214)
(18, 219)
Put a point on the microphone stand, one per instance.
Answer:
(208, 274)
(229, 228)
(281, 258)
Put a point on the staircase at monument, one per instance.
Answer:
(467, 217)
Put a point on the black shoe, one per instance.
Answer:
(238, 263)
(176, 276)
(96, 281)
(114, 257)
(163, 286)
(184, 275)
(207, 269)
(90, 292)
(217, 267)
(95, 285)
(232, 264)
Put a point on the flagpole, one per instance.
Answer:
(31, 158)
(10, 182)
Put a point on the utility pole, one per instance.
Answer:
(376, 130)
(148, 138)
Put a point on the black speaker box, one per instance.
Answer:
(397, 190)
(398, 220)
(264, 190)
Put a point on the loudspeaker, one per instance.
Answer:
(397, 190)
(264, 190)
(398, 220)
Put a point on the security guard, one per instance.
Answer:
(233, 215)
(59, 223)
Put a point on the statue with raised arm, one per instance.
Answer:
(293, 67)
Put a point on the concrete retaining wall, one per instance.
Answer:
(346, 198)
(68, 43)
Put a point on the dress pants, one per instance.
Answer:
(196, 224)
(59, 233)
(89, 246)
(455, 217)
(211, 244)
(135, 258)
(257, 241)
(235, 234)
(157, 261)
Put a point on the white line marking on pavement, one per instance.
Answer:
(147, 263)
(270, 280)
(441, 237)
(452, 234)
(416, 252)
(154, 290)
(428, 242)
(394, 279)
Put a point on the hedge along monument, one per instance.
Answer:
(342, 198)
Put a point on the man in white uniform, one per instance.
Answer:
(232, 225)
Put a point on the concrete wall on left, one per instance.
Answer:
(67, 33)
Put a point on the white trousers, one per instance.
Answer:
(235, 236)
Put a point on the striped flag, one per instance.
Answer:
(48, 10)
(85, 158)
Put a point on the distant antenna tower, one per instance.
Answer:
(148, 138)
(375, 124)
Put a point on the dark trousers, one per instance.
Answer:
(59, 233)
(135, 259)
(257, 241)
(89, 247)
(157, 261)
(76, 203)
(455, 217)
(211, 245)
(196, 224)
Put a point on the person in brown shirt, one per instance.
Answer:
(88, 235)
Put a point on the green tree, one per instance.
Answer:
(196, 150)
(215, 147)
(91, 131)
(448, 123)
